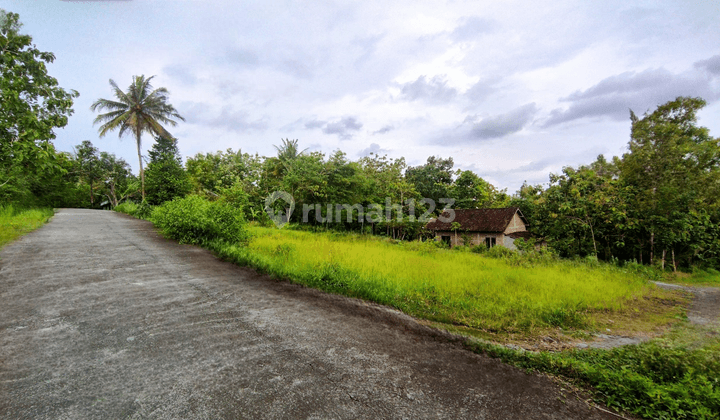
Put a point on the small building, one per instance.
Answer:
(490, 227)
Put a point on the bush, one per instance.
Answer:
(500, 252)
(141, 211)
(127, 207)
(195, 220)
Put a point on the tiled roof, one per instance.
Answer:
(522, 234)
(478, 220)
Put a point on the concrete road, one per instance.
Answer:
(102, 318)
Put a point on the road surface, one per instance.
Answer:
(101, 318)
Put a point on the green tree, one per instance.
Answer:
(141, 109)
(118, 181)
(433, 179)
(88, 166)
(32, 105)
(166, 177)
(472, 192)
(672, 165)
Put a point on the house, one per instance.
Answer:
(482, 226)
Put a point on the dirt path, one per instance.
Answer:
(704, 310)
(101, 318)
(705, 307)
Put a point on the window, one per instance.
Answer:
(490, 242)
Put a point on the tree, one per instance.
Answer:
(138, 110)
(166, 177)
(472, 192)
(118, 181)
(32, 105)
(673, 167)
(89, 169)
(433, 179)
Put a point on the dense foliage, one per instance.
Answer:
(166, 178)
(658, 204)
(32, 105)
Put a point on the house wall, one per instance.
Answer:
(515, 225)
(509, 242)
(476, 238)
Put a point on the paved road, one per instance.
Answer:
(102, 318)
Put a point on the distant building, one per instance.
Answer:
(490, 227)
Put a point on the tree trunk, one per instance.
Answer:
(592, 232)
(92, 199)
(663, 259)
(652, 247)
(142, 172)
(673, 259)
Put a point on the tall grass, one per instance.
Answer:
(15, 222)
(442, 285)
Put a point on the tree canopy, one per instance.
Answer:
(32, 106)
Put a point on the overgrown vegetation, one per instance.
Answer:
(15, 222)
(510, 293)
(195, 220)
(660, 379)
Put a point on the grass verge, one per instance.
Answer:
(15, 222)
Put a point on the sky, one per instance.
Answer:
(512, 90)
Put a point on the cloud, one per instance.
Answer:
(614, 96)
(472, 28)
(434, 90)
(292, 62)
(343, 127)
(480, 90)
(711, 65)
(242, 57)
(373, 148)
(314, 124)
(180, 73)
(504, 124)
(238, 121)
(384, 130)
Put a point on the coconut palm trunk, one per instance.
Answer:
(138, 135)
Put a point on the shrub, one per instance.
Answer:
(479, 249)
(141, 211)
(499, 252)
(127, 207)
(195, 220)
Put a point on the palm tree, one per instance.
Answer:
(289, 150)
(139, 110)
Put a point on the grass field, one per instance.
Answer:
(16, 222)
(496, 295)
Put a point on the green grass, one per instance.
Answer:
(461, 288)
(15, 222)
(706, 277)
(675, 377)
